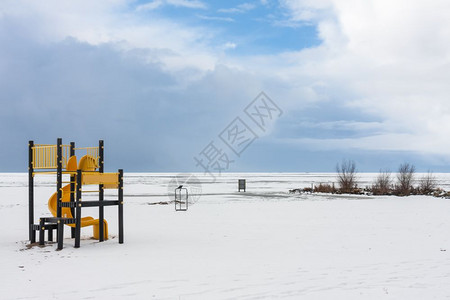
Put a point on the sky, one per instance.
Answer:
(166, 83)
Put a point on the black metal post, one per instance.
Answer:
(120, 206)
(41, 231)
(31, 233)
(58, 176)
(60, 233)
(176, 190)
(78, 211)
(101, 194)
(50, 235)
(72, 189)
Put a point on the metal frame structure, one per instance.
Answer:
(56, 157)
(179, 199)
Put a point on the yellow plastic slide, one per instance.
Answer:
(66, 213)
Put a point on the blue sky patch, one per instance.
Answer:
(244, 28)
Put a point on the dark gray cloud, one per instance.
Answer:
(150, 121)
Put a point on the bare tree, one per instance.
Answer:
(383, 183)
(427, 184)
(346, 176)
(405, 177)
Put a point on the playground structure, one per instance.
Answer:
(66, 203)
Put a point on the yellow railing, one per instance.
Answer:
(45, 156)
(92, 151)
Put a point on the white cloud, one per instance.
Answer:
(229, 45)
(99, 22)
(178, 3)
(214, 18)
(307, 10)
(241, 8)
(187, 3)
(150, 5)
(390, 59)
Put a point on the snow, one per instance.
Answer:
(261, 244)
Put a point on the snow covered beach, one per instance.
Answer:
(261, 244)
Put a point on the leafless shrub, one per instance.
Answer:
(325, 188)
(405, 178)
(346, 176)
(383, 183)
(427, 184)
(307, 190)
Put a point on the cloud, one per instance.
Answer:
(391, 60)
(378, 81)
(178, 3)
(151, 116)
(241, 8)
(214, 18)
(82, 93)
(307, 10)
(383, 68)
(150, 6)
(384, 142)
(343, 125)
(229, 45)
(96, 23)
(187, 3)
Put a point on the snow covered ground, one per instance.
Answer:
(261, 244)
